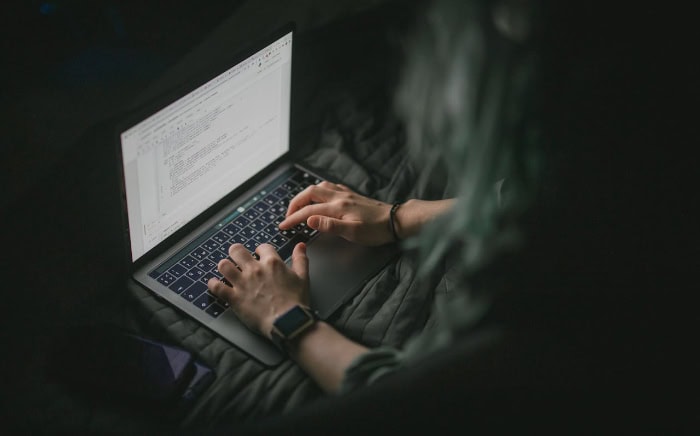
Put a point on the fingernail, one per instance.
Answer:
(312, 222)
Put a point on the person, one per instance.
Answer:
(264, 289)
(523, 104)
(479, 153)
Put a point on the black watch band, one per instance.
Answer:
(292, 324)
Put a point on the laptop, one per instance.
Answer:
(209, 165)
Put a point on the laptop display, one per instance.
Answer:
(184, 158)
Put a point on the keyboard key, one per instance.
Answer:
(248, 232)
(195, 274)
(215, 310)
(251, 214)
(268, 217)
(294, 192)
(167, 279)
(251, 245)
(281, 192)
(221, 237)
(288, 233)
(194, 291)
(261, 206)
(284, 203)
(210, 275)
(278, 210)
(241, 221)
(239, 239)
(210, 245)
(286, 250)
(181, 284)
(188, 262)
(232, 229)
(206, 265)
(217, 256)
(262, 237)
(200, 253)
(177, 270)
(258, 225)
(289, 185)
(301, 177)
(271, 199)
(204, 300)
(278, 241)
(272, 229)
(308, 231)
(224, 247)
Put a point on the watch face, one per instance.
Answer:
(291, 321)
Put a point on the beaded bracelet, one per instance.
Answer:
(392, 218)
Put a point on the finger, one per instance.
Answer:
(312, 194)
(229, 270)
(326, 224)
(220, 290)
(240, 255)
(329, 185)
(300, 262)
(300, 216)
(266, 250)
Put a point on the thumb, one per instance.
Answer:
(300, 262)
(334, 226)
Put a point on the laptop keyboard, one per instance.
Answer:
(255, 223)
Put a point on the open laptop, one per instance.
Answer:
(209, 165)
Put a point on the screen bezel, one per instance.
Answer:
(163, 101)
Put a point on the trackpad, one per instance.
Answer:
(338, 269)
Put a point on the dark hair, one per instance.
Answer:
(468, 101)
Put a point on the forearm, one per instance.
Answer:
(324, 354)
(412, 215)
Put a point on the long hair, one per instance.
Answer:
(467, 98)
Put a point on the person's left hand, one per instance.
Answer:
(262, 289)
(336, 209)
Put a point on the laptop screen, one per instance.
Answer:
(189, 155)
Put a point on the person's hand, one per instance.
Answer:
(332, 208)
(262, 289)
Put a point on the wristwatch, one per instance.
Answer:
(291, 324)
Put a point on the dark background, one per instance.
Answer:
(70, 68)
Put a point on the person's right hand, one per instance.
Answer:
(336, 209)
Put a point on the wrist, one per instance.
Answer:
(412, 215)
(404, 220)
(393, 222)
(293, 346)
